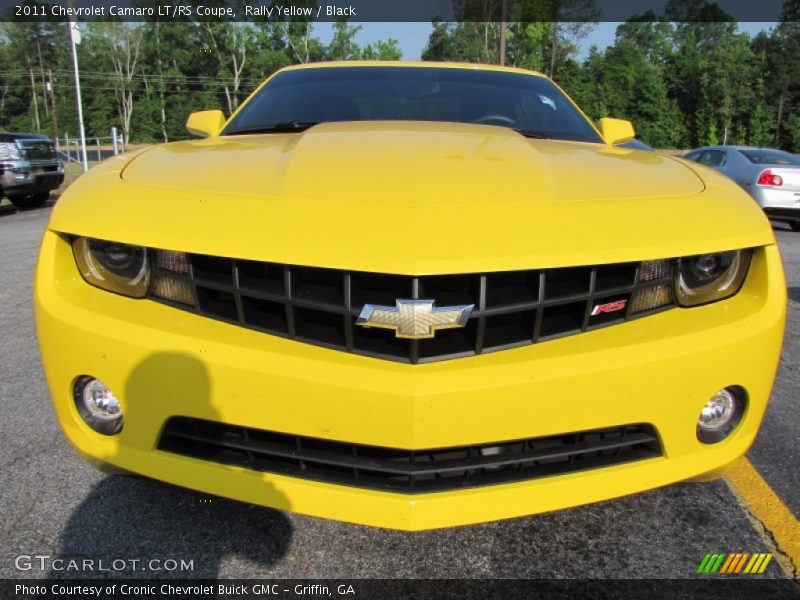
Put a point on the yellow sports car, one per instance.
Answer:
(411, 296)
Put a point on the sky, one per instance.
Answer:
(413, 36)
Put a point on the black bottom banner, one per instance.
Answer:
(363, 589)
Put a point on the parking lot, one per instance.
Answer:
(53, 504)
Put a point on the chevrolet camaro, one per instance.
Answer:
(410, 296)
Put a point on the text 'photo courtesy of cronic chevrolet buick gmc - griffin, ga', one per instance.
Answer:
(409, 295)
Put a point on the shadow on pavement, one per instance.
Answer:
(126, 517)
(8, 209)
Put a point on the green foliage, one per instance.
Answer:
(145, 78)
(682, 84)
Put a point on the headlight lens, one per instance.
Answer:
(9, 151)
(710, 277)
(112, 266)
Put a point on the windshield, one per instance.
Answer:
(298, 99)
(771, 157)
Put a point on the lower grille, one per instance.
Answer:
(407, 471)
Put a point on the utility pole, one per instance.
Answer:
(35, 100)
(75, 39)
(53, 110)
(41, 72)
(502, 32)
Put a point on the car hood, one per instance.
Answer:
(411, 164)
(411, 197)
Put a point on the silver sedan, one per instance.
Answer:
(770, 176)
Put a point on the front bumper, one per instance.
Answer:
(162, 362)
(23, 177)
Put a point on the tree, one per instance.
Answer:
(781, 52)
(476, 42)
(31, 49)
(123, 43)
(342, 46)
(572, 21)
(682, 84)
(382, 50)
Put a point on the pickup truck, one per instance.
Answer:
(29, 169)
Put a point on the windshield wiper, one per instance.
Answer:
(533, 134)
(279, 127)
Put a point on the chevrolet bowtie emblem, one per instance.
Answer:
(414, 319)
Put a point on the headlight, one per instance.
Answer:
(115, 267)
(9, 152)
(710, 277)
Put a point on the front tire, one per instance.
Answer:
(795, 225)
(30, 200)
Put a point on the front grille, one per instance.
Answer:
(407, 471)
(37, 150)
(320, 306)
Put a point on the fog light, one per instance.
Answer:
(98, 406)
(721, 414)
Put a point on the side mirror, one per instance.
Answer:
(205, 123)
(616, 131)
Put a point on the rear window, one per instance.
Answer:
(771, 157)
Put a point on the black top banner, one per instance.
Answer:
(401, 10)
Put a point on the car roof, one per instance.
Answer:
(13, 135)
(737, 148)
(410, 63)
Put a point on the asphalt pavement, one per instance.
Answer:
(55, 505)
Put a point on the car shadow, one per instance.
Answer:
(794, 293)
(130, 518)
(7, 209)
(780, 226)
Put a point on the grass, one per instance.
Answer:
(71, 172)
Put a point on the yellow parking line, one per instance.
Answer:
(747, 483)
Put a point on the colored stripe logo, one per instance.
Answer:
(735, 563)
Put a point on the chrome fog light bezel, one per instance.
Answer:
(708, 433)
(104, 424)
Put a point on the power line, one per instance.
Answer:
(143, 77)
(117, 89)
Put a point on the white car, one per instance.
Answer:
(770, 176)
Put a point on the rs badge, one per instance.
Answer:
(609, 307)
(414, 319)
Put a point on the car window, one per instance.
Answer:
(712, 158)
(770, 157)
(528, 103)
(692, 156)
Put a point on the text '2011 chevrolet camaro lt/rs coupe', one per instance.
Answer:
(410, 296)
